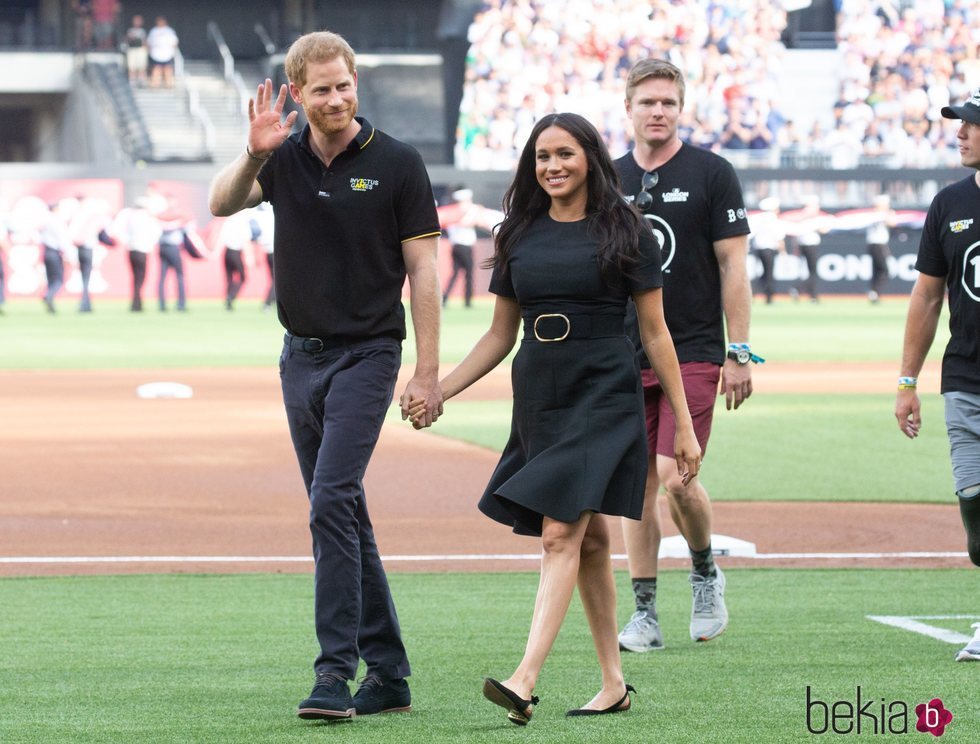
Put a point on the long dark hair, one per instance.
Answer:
(614, 223)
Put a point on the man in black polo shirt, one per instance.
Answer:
(354, 215)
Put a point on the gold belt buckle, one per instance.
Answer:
(568, 327)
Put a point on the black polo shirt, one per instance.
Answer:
(339, 269)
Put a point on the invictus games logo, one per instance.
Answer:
(958, 226)
(872, 715)
(362, 184)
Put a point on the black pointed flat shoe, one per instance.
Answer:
(518, 710)
(620, 706)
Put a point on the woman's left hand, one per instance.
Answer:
(687, 453)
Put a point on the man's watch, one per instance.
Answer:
(742, 354)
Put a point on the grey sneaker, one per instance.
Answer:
(971, 651)
(642, 633)
(709, 616)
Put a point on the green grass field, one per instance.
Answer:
(186, 658)
(208, 335)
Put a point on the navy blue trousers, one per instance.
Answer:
(170, 259)
(336, 401)
(85, 268)
(54, 268)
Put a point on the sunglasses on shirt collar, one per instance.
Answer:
(644, 200)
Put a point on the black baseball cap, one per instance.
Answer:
(969, 111)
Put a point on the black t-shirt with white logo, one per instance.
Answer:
(697, 200)
(950, 248)
(339, 230)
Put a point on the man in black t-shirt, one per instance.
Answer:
(692, 201)
(354, 215)
(949, 260)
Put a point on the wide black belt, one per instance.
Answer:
(554, 327)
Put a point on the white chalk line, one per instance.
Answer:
(912, 624)
(69, 560)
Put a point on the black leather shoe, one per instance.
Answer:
(329, 700)
(518, 710)
(620, 706)
(376, 695)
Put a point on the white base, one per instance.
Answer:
(164, 390)
(675, 546)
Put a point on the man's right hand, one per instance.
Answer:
(266, 129)
(908, 412)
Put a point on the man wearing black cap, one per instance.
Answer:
(949, 259)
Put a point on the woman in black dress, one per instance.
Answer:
(568, 256)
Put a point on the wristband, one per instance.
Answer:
(907, 383)
(256, 157)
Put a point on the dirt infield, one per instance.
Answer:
(90, 471)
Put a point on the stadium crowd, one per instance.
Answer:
(531, 57)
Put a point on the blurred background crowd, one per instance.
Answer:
(897, 64)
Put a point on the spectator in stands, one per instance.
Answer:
(534, 57)
(104, 16)
(515, 46)
(162, 46)
(737, 134)
(82, 9)
(136, 55)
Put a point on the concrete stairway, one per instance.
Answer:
(202, 118)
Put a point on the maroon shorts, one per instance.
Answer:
(701, 388)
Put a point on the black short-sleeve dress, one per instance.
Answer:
(578, 439)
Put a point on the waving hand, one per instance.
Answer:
(266, 128)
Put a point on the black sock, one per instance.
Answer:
(970, 512)
(645, 594)
(704, 562)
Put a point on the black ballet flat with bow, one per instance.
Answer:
(518, 710)
(620, 706)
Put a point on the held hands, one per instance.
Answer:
(416, 413)
(423, 407)
(266, 129)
